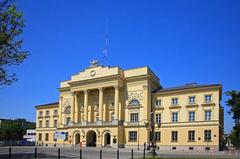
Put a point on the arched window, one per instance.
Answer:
(134, 102)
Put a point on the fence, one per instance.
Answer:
(33, 153)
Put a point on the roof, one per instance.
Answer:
(48, 104)
(187, 86)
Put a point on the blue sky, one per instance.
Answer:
(181, 41)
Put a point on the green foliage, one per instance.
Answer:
(14, 129)
(11, 53)
(234, 103)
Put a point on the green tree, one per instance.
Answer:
(234, 103)
(11, 53)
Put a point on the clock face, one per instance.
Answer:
(93, 73)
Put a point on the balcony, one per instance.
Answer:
(99, 123)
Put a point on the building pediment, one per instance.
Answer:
(94, 74)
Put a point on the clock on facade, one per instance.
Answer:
(92, 73)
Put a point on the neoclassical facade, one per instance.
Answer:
(109, 106)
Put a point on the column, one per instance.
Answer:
(60, 110)
(76, 108)
(73, 107)
(100, 104)
(85, 105)
(116, 103)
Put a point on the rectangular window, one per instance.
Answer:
(174, 136)
(132, 135)
(55, 123)
(39, 137)
(158, 103)
(208, 98)
(158, 118)
(68, 121)
(46, 137)
(55, 112)
(47, 112)
(40, 113)
(40, 124)
(191, 99)
(207, 135)
(47, 123)
(134, 117)
(208, 115)
(191, 135)
(191, 116)
(158, 136)
(174, 101)
(175, 117)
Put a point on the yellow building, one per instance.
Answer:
(109, 106)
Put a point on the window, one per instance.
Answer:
(174, 136)
(175, 117)
(207, 135)
(40, 124)
(55, 123)
(174, 101)
(39, 137)
(47, 123)
(132, 135)
(191, 116)
(191, 99)
(134, 102)
(40, 113)
(158, 103)
(134, 117)
(208, 115)
(55, 112)
(47, 112)
(46, 137)
(68, 120)
(191, 135)
(208, 98)
(158, 136)
(158, 118)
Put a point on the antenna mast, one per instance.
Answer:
(105, 51)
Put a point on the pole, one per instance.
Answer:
(100, 153)
(10, 152)
(117, 154)
(144, 153)
(132, 154)
(35, 152)
(80, 153)
(58, 153)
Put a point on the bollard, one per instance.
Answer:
(35, 152)
(10, 152)
(58, 153)
(117, 154)
(80, 153)
(132, 154)
(144, 153)
(100, 154)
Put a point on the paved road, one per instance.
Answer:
(107, 153)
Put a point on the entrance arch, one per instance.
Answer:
(91, 138)
(107, 139)
(77, 138)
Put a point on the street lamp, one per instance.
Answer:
(152, 151)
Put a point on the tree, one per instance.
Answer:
(11, 53)
(234, 103)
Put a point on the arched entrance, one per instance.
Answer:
(77, 138)
(107, 139)
(91, 138)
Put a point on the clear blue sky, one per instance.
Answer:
(181, 41)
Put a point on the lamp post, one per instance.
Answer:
(151, 124)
